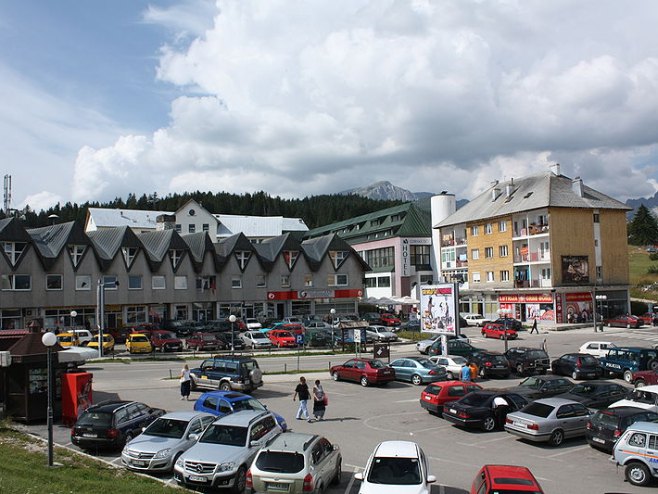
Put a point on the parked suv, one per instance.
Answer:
(636, 450)
(299, 462)
(526, 360)
(221, 456)
(491, 364)
(165, 341)
(623, 361)
(229, 372)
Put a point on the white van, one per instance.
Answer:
(84, 336)
(597, 348)
(637, 450)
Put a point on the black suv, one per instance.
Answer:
(509, 323)
(229, 372)
(455, 347)
(526, 360)
(112, 423)
(491, 364)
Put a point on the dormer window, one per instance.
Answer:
(129, 254)
(175, 256)
(76, 252)
(338, 257)
(13, 251)
(242, 256)
(290, 257)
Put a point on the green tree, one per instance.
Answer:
(643, 228)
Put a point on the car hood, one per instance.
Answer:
(153, 444)
(393, 489)
(216, 453)
(631, 403)
(580, 399)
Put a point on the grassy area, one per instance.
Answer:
(638, 264)
(24, 469)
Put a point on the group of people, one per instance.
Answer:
(469, 371)
(319, 400)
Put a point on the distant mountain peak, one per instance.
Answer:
(384, 190)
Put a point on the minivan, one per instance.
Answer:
(637, 451)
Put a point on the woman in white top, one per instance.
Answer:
(185, 383)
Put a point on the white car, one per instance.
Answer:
(396, 467)
(475, 319)
(597, 348)
(255, 339)
(423, 346)
(452, 363)
(253, 323)
(381, 333)
(645, 397)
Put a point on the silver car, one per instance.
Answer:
(418, 370)
(159, 446)
(550, 420)
(255, 339)
(452, 363)
(381, 333)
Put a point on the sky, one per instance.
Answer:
(305, 97)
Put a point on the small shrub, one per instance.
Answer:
(653, 269)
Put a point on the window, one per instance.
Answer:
(83, 282)
(205, 227)
(488, 229)
(76, 252)
(204, 283)
(488, 252)
(54, 282)
(503, 250)
(476, 277)
(502, 226)
(129, 254)
(426, 279)
(16, 282)
(289, 257)
(110, 282)
(475, 254)
(379, 258)
(175, 256)
(474, 231)
(180, 282)
(383, 281)
(260, 281)
(504, 276)
(134, 282)
(242, 256)
(338, 257)
(599, 272)
(236, 282)
(308, 280)
(135, 314)
(546, 273)
(178, 228)
(158, 283)
(490, 276)
(337, 280)
(597, 218)
(370, 282)
(285, 281)
(13, 251)
(420, 255)
(191, 228)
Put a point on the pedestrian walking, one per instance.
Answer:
(544, 345)
(185, 383)
(466, 372)
(474, 370)
(534, 328)
(319, 401)
(302, 392)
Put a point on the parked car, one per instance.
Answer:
(624, 361)
(411, 325)
(165, 341)
(476, 409)
(423, 346)
(649, 318)
(281, 338)
(255, 340)
(418, 370)
(636, 451)
(607, 425)
(389, 320)
(84, 336)
(163, 441)
(138, 343)
(527, 361)
(204, 342)
(596, 348)
(220, 403)
(535, 387)
(253, 323)
(452, 363)
(227, 372)
(623, 321)
(371, 317)
(108, 343)
(111, 424)
(455, 347)
(381, 333)
(644, 378)
(296, 463)
(475, 319)
(498, 331)
(550, 420)
(223, 453)
(596, 394)
(181, 328)
(364, 371)
(396, 466)
(317, 325)
(230, 340)
(493, 479)
(577, 365)
(510, 323)
(318, 337)
(437, 394)
(67, 339)
(491, 364)
(645, 397)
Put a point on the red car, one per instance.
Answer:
(365, 371)
(493, 330)
(436, 394)
(505, 478)
(282, 338)
(649, 318)
(623, 321)
(389, 320)
(644, 378)
(201, 341)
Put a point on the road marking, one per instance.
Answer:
(493, 440)
(348, 489)
(414, 400)
(569, 451)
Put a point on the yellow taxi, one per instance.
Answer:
(108, 342)
(68, 339)
(138, 343)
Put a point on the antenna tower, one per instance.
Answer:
(7, 196)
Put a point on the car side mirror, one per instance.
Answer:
(193, 436)
(358, 476)
(255, 444)
(431, 479)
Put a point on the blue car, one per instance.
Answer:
(222, 403)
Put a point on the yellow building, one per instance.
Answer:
(542, 246)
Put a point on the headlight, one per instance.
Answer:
(180, 462)
(226, 467)
(163, 453)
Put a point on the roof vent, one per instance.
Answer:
(495, 193)
(509, 188)
(577, 186)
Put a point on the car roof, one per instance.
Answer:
(499, 474)
(109, 405)
(242, 418)
(402, 449)
(186, 415)
(651, 427)
(625, 411)
(549, 377)
(597, 341)
(292, 441)
(525, 348)
(649, 389)
(227, 395)
(556, 401)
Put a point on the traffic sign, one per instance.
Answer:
(357, 336)
(381, 350)
(300, 339)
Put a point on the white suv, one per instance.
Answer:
(225, 450)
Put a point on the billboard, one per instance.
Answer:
(575, 269)
(438, 305)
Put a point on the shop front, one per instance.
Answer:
(528, 306)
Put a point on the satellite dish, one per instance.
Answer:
(53, 216)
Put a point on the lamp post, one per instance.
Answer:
(232, 318)
(333, 313)
(49, 339)
(100, 313)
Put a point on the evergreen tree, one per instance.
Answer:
(643, 228)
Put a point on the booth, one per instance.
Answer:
(76, 395)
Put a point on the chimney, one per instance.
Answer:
(165, 222)
(495, 193)
(509, 188)
(556, 168)
(577, 186)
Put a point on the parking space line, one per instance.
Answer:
(574, 450)
(414, 400)
(477, 444)
(348, 488)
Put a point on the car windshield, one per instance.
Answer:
(376, 364)
(208, 337)
(259, 336)
(498, 359)
(280, 461)
(643, 396)
(168, 336)
(537, 354)
(589, 360)
(250, 404)
(249, 365)
(531, 382)
(284, 334)
(394, 471)
(583, 389)
(95, 419)
(459, 360)
(538, 409)
(605, 419)
(427, 363)
(226, 435)
(164, 427)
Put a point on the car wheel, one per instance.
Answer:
(628, 376)
(628, 326)
(519, 369)
(556, 438)
(574, 375)
(335, 376)
(224, 386)
(240, 481)
(416, 380)
(488, 424)
(482, 373)
(502, 336)
(364, 381)
(637, 473)
(337, 474)
(640, 383)
(653, 365)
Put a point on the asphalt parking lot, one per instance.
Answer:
(358, 418)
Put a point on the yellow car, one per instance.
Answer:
(108, 343)
(138, 343)
(68, 339)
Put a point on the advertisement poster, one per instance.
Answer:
(575, 269)
(437, 308)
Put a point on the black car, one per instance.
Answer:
(509, 323)
(455, 347)
(596, 394)
(225, 338)
(111, 424)
(607, 425)
(526, 360)
(578, 366)
(491, 364)
(481, 409)
(535, 387)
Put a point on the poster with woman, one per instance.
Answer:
(438, 308)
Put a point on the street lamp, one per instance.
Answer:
(333, 313)
(49, 339)
(232, 318)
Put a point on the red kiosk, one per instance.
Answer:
(76, 395)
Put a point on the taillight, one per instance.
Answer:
(432, 372)
(579, 363)
(589, 426)
(508, 421)
(249, 480)
(112, 433)
(488, 364)
(533, 427)
(617, 433)
(308, 483)
(463, 415)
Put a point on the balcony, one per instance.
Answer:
(532, 229)
(532, 257)
(532, 284)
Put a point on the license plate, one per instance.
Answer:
(139, 463)
(597, 440)
(271, 486)
(452, 410)
(197, 478)
(87, 434)
(428, 398)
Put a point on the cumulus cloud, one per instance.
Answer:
(316, 97)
